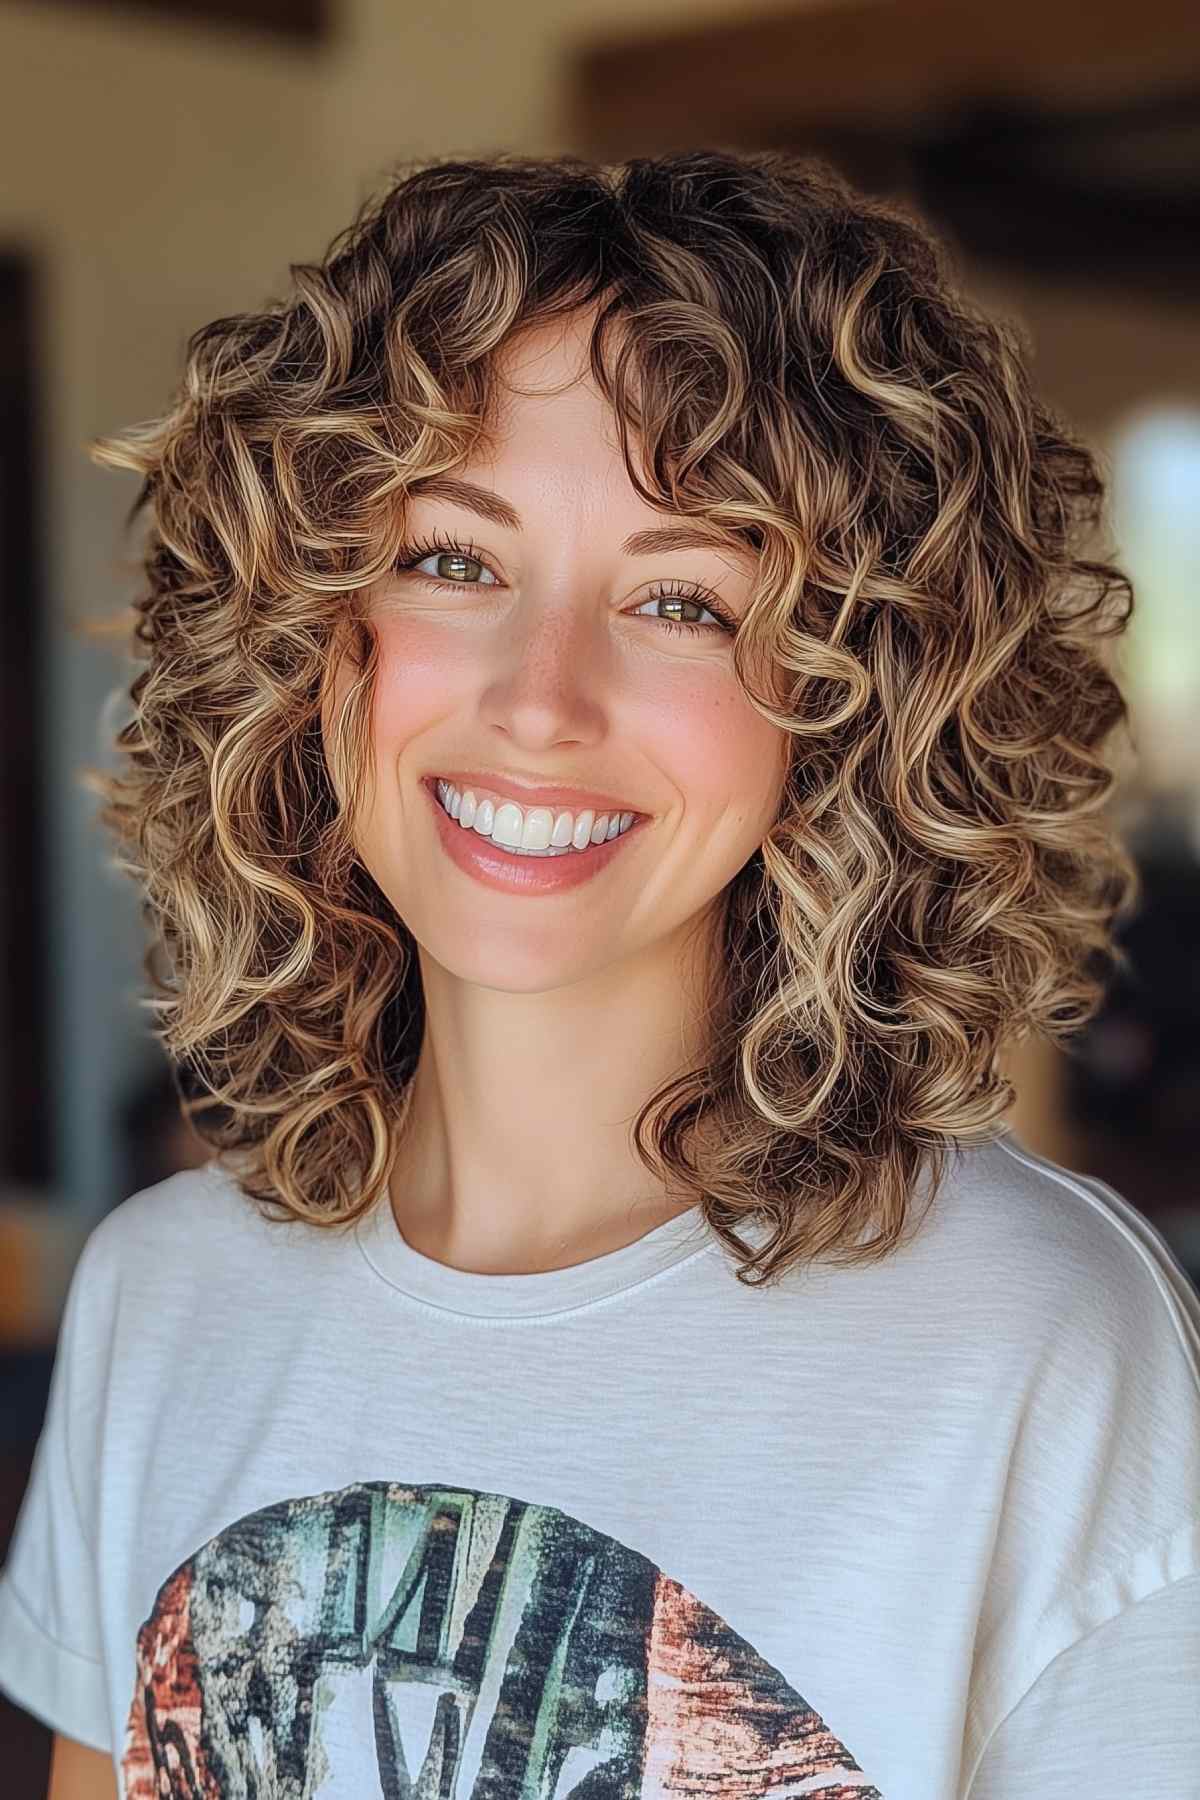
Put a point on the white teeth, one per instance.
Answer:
(539, 831)
(506, 829)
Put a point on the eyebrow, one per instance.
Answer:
(498, 511)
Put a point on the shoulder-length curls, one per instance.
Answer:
(792, 361)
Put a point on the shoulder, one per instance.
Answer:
(1090, 1330)
(1096, 1328)
(1075, 1249)
(183, 1210)
(193, 1230)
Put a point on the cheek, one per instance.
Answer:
(415, 685)
(724, 758)
(694, 723)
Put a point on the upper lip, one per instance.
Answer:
(526, 794)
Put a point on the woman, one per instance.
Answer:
(619, 758)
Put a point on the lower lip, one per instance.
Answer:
(495, 868)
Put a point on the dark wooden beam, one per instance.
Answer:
(26, 1083)
(874, 62)
(301, 22)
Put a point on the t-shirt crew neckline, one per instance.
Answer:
(546, 1292)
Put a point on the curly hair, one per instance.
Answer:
(794, 362)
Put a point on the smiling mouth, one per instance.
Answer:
(532, 831)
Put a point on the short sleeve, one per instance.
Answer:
(51, 1652)
(1101, 1500)
(1116, 1714)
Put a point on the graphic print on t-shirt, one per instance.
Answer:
(430, 1643)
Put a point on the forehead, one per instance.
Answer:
(678, 533)
(552, 440)
(540, 359)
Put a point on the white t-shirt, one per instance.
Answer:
(314, 1516)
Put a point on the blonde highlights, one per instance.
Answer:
(792, 362)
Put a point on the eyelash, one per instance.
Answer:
(417, 551)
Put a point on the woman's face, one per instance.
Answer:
(549, 656)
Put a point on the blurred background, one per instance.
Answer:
(164, 163)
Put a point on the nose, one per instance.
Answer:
(550, 682)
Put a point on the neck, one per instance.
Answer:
(516, 1154)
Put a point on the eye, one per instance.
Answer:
(679, 594)
(443, 551)
(461, 557)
